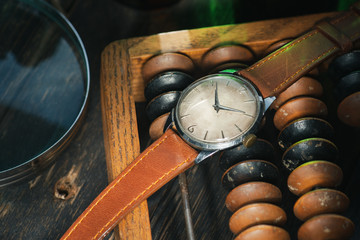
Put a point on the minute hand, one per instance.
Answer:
(221, 107)
(217, 103)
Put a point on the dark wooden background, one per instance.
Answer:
(30, 210)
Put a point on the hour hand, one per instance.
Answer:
(221, 107)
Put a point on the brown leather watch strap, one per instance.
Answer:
(279, 70)
(158, 164)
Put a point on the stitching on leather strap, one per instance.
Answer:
(281, 50)
(300, 40)
(141, 194)
(309, 63)
(112, 187)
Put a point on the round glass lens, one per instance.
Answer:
(44, 83)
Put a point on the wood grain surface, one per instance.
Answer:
(120, 131)
(257, 36)
(32, 210)
(122, 85)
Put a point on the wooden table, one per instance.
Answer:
(30, 211)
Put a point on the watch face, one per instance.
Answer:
(218, 111)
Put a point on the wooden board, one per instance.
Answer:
(122, 86)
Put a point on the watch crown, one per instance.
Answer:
(249, 140)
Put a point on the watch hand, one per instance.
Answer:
(229, 109)
(217, 103)
(217, 106)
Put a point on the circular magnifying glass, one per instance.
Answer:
(44, 86)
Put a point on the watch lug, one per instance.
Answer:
(169, 121)
(268, 101)
(204, 154)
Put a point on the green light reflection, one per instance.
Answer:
(345, 4)
(216, 13)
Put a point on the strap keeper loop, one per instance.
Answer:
(335, 35)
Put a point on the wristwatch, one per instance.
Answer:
(216, 112)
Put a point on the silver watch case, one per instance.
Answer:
(205, 146)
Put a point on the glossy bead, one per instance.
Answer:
(308, 150)
(326, 226)
(157, 126)
(348, 110)
(344, 65)
(167, 62)
(165, 82)
(263, 232)
(227, 54)
(250, 170)
(305, 86)
(320, 201)
(261, 149)
(252, 192)
(348, 85)
(302, 128)
(298, 108)
(162, 104)
(254, 214)
(314, 174)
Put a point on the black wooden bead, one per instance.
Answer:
(165, 82)
(344, 64)
(261, 149)
(250, 170)
(347, 85)
(309, 150)
(303, 128)
(162, 104)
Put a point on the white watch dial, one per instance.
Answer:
(218, 110)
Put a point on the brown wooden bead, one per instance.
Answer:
(326, 226)
(348, 110)
(298, 108)
(157, 126)
(314, 174)
(224, 55)
(320, 201)
(256, 213)
(167, 62)
(252, 192)
(305, 86)
(263, 232)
